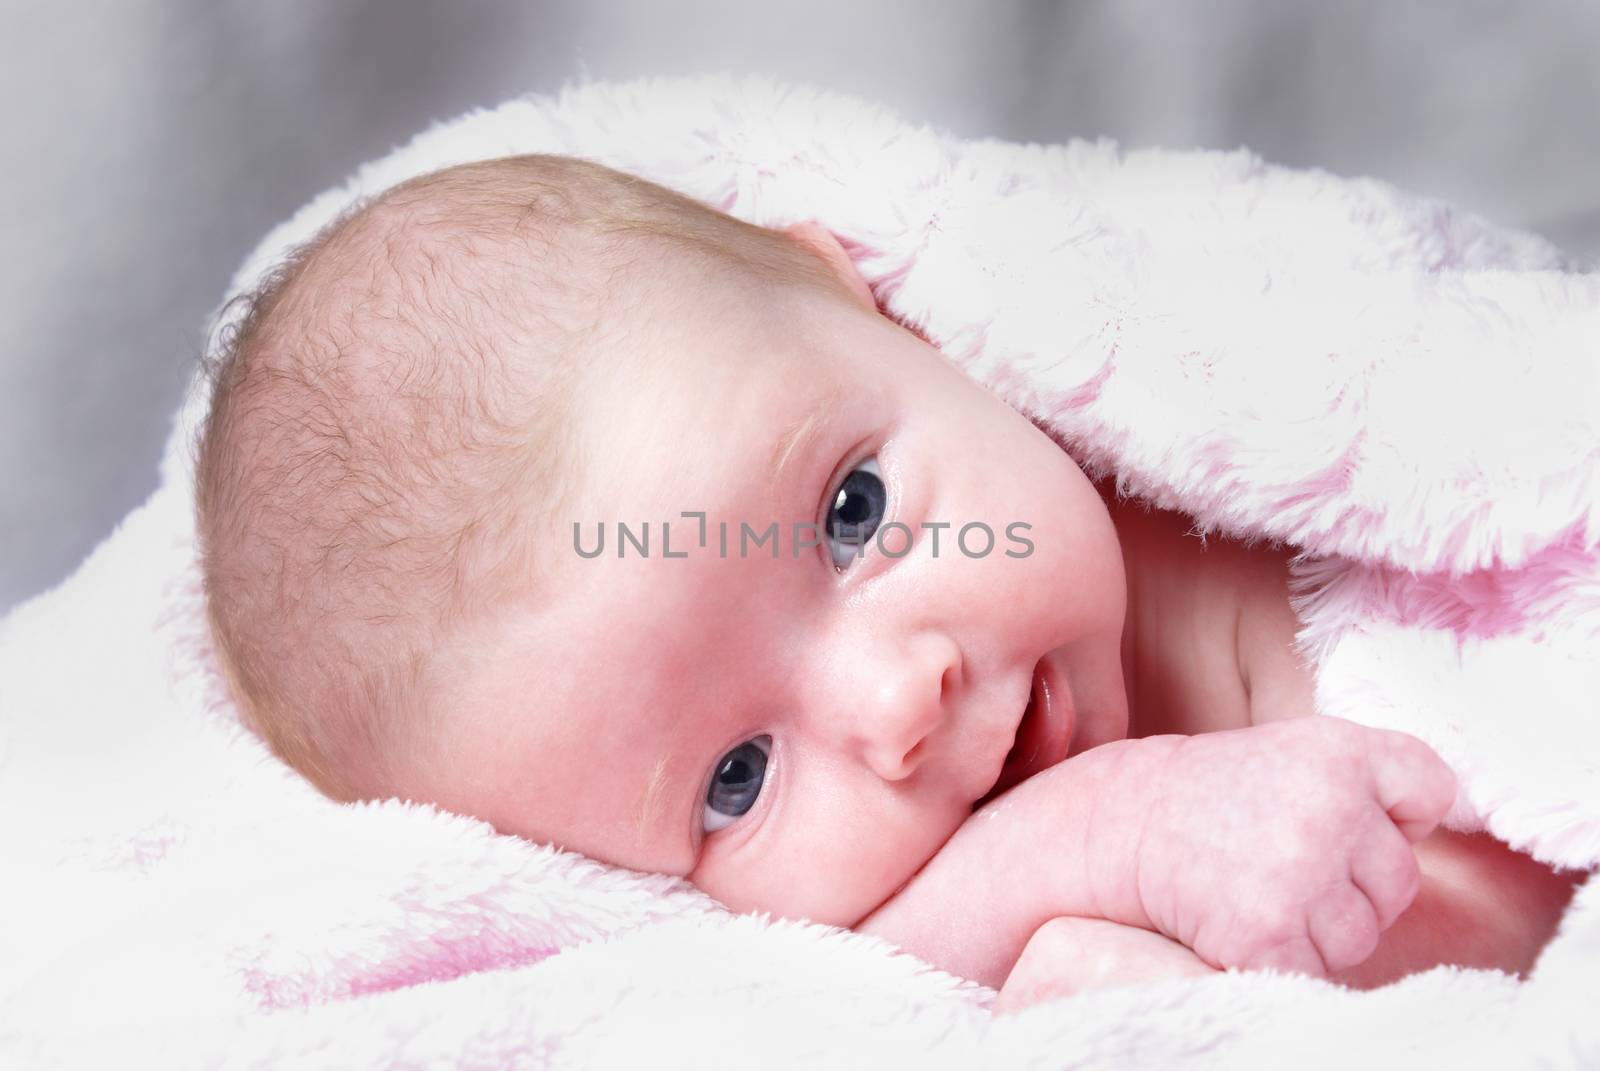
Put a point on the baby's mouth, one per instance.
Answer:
(1032, 749)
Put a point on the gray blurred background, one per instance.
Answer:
(149, 145)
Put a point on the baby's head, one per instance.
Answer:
(792, 690)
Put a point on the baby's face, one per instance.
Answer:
(798, 733)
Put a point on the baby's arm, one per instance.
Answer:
(1284, 845)
(1019, 862)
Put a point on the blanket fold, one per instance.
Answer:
(1405, 393)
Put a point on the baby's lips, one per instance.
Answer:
(1033, 749)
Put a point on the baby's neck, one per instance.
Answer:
(1180, 651)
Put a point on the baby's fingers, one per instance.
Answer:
(1385, 869)
(1068, 956)
(1413, 784)
(1344, 928)
(1296, 955)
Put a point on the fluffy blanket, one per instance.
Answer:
(1407, 393)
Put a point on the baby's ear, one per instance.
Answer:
(819, 240)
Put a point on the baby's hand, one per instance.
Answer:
(1286, 845)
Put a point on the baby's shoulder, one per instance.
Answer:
(1278, 682)
(1215, 631)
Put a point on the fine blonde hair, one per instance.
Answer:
(390, 417)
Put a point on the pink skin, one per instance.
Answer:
(1284, 845)
(593, 713)
(1068, 956)
(1307, 863)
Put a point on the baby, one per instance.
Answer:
(541, 493)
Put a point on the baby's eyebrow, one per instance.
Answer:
(796, 438)
(651, 800)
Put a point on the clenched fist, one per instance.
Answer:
(1286, 845)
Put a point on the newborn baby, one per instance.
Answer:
(543, 494)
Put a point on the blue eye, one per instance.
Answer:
(855, 513)
(736, 785)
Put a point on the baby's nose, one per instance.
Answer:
(903, 704)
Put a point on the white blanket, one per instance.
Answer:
(1407, 393)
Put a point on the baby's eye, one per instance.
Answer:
(736, 785)
(855, 513)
